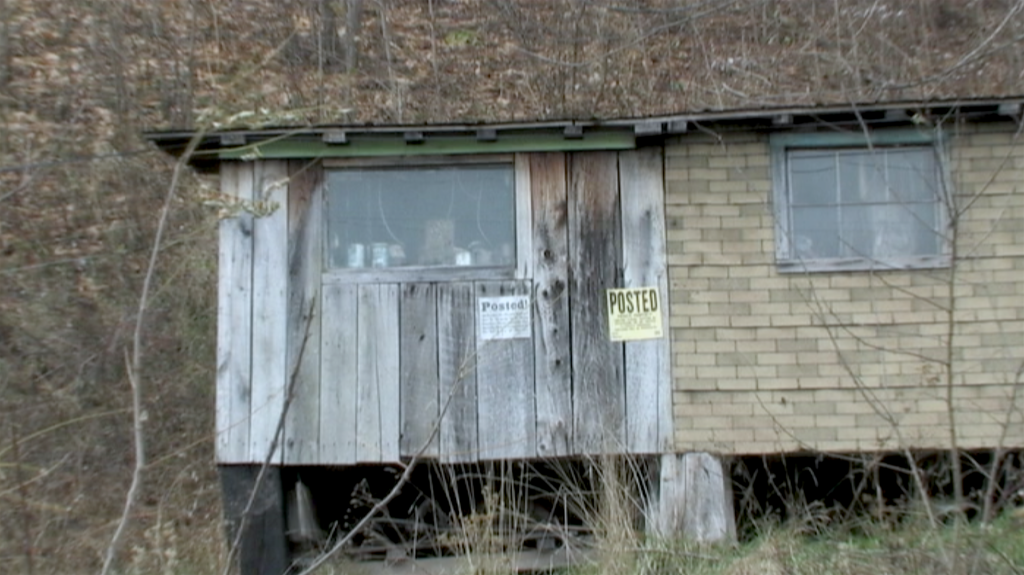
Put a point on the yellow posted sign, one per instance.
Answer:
(634, 313)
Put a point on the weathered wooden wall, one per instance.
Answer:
(552, 351)
(234, 319)
(595, 253)
(389, 369)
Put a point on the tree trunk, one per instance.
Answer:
(353, 21)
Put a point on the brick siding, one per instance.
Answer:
(767, 362)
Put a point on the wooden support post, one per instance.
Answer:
(694, 499)
(262, 547)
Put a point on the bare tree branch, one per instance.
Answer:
(134, 365)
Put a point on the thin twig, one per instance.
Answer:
(134, 364)
(26, 516)
(988, 504)
(38, 477)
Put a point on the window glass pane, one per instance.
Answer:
(921, 226)
(905, 230)
(436, 216)
(812, 178)
(862, 177)
(912, 175)
(879, 204)
(860, 226)
(814, 233)
(887, 232)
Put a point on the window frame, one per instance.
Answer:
(780, 144)
(409, 274)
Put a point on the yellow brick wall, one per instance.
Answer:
(766, 362)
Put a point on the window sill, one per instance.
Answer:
(412, 274)
(861, 264)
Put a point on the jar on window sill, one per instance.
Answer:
(396, 255)
(481, 255)
(380, 253)
(356, 255)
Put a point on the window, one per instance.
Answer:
(421, 218)
(844, 205)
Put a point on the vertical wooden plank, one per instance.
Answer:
(338, 370)
(234, 319)
(507, 424)
(524, 237)
(709, 516)
(594, 255)
(694, 499)
(389, 375)
(305, 214)
(270, 309)
(648, 362)
(419, 386)
(553, 385)
(456, 341)
(665, 511)
(377, 372)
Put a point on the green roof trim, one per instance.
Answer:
(875, 137)
(361, 146)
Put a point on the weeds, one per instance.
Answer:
(857, 549)
(806, 518)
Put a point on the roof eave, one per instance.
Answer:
(213, 142)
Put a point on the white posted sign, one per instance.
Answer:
(634, 313)
(506, 317)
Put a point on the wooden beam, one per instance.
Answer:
(263, 549)
(552, 363)
(305, 258)
(339, 359)
(417, 160)
(376, 145)
(648, 362)
(232, 139)
(647, 128)
(507, 422)
(269, 309)
(694, 499)
(599, 396)
(678, 126)
(523, 215)
(896, 115)
(419, 387)
(378, 420)
(1010, 109)
(456, 341)
(335, 137)
(234, 318)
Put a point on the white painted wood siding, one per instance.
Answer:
(234, 318)
(270, 309)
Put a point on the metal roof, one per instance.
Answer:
(249, 143)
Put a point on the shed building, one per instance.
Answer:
(680, 288)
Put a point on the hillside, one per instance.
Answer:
(80, 190)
